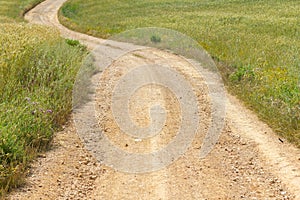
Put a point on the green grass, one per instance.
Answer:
(37, 73)
(13, 10)
(256, 44)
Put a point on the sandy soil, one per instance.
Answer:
(247, 162)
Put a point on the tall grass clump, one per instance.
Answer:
(37, 72)
(255, 43)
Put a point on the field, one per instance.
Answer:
(256, 44)
(37, 71)
(11, 11)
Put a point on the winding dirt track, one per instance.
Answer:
(248, 161)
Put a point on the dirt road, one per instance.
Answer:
(248, 160)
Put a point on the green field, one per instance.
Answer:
(13, 10)
(37, 71)
(256, 44)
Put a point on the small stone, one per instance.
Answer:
(243, 142)
(93, 177)
(283, 192)
(85, 162)
(42, 155)
(272, 181)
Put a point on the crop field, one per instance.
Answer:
(256, 44)
(37, 71)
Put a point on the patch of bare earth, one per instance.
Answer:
(233, 170)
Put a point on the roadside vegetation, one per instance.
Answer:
(256, 44)
(13, 10)
(37, 72)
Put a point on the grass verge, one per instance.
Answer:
(37, 73)
(255, 43)
(14, 10)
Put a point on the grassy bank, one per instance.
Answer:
(13, 10)
(37, 72)
(255, 43)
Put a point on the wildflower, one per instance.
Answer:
(27, 99)
(49, 111)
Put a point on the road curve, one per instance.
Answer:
(247, 162)
(46, 14)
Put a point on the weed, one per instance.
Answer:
(37, 70)
(155, 39)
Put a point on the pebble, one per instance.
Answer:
(283, 192)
